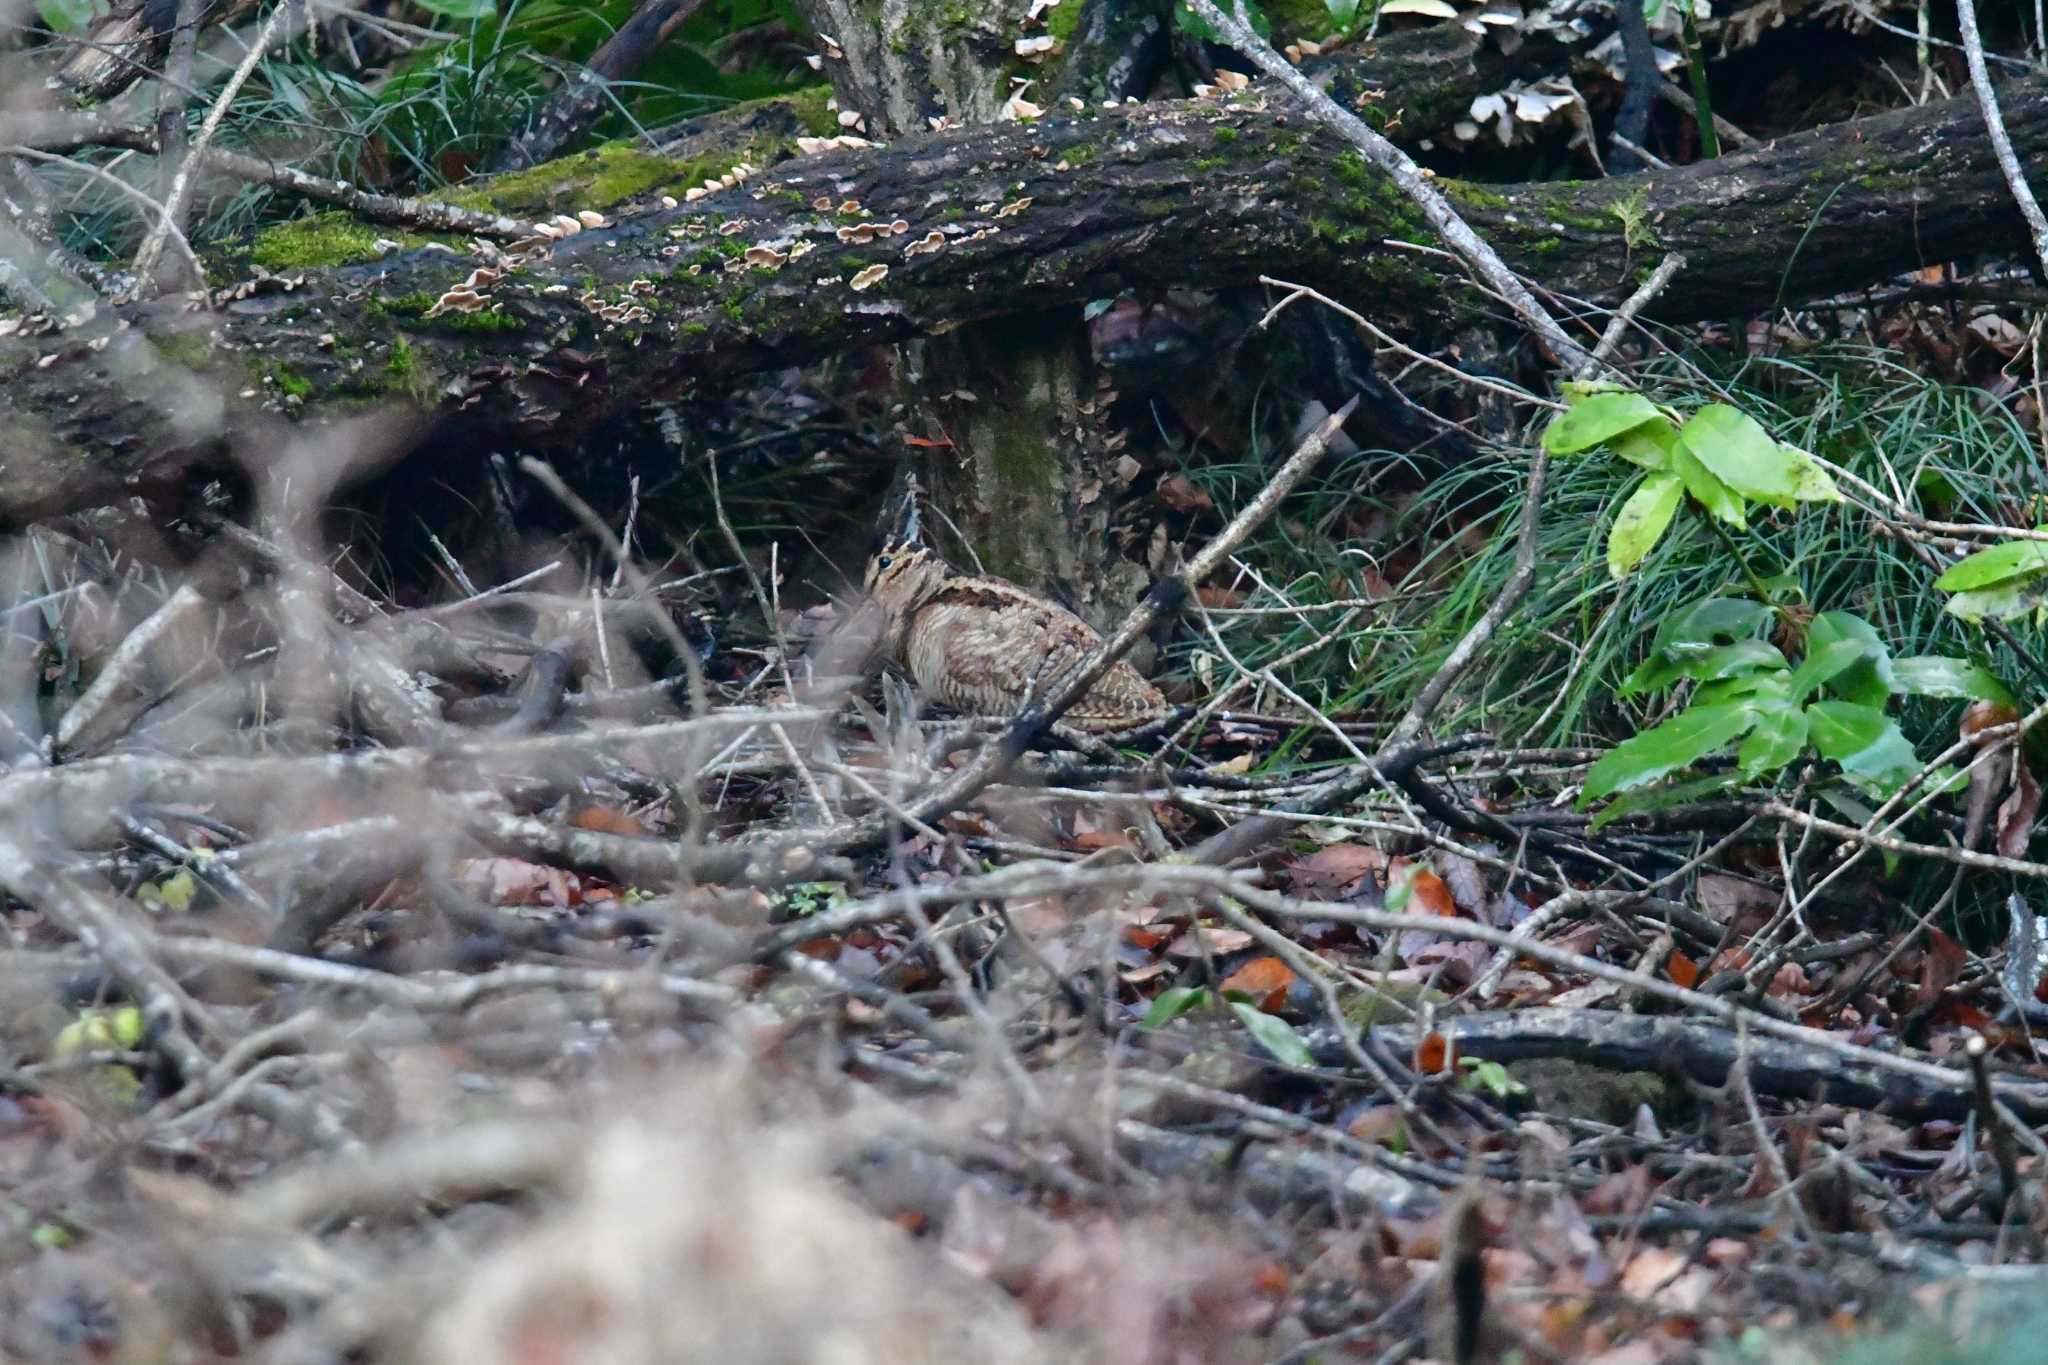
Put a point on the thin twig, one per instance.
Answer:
(1994, 124)
(1411, 179)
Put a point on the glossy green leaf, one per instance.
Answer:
(1692, 631)
(1596, 419)
(1711, 664)
(1648, 445)
(1642, 521)
(1867, 743)
(1668, 795)
(1937, 675)
(1707, 488)
(1844, 654)
(1172, 1003)
(1741, 454)
(2000, 563)
(1711, 620)
(1778, 737)
(462, 11)
(1768, 687)
(1274, 1034)
(1680, 742)
(2007, 601)
(69, 17)
(1811, 482)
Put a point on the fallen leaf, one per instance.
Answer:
(1682, 969)
(1179, 492)
(1941, 967)
(1215, 942)
(1264, 979)
(513, 881)
(1433, 1054)
(1427, 894)
(1337, 869)
(2017, 812)
(606, 820)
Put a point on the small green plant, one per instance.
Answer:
(1720, 457)
(801, 900)
(1269, 1031)
(1490, 1077)
(1749, 698)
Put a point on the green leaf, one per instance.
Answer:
(1867, 743)
(2005, 601)
(1741, 454)
(1274, 1034)
(1641, 522)
(1711, 620)
(1812, 483)
(1693, 631)
(1713, 663)
(1768, 687)
(1172, 1003)
(1595, 420)
(2000, 563)
(1939, 676)
(118, 1029)
(461, 11)
(1779, 737)
(1491, 1077)
(1646, 799)
(1343, 13)
(68, 17)
(1648, 445)
(1707, 489)
(1680, 742)
(1844, 654)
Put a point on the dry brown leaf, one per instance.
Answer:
(1179, 492)
(513, 881)
(2016, 814)
(1337, 869)
(1433, 1054)
(1264, 979)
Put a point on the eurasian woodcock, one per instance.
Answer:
(980, 645)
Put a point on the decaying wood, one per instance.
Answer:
(917, 237)
(1704, 1050)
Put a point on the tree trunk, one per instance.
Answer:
(1010, 403)
(1010, 219)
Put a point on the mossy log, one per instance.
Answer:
(920, 236)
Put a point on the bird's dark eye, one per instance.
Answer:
(882, 562)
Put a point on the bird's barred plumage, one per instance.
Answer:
(980, 645)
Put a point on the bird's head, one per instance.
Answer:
(903, 570)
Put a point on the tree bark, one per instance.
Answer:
(1009, 403)
(998, 221)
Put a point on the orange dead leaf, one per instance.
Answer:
(1430, 896)
(1264, 979)
(606, 820)
(1682, 969)
(1434, 1054)
(1982, 715)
